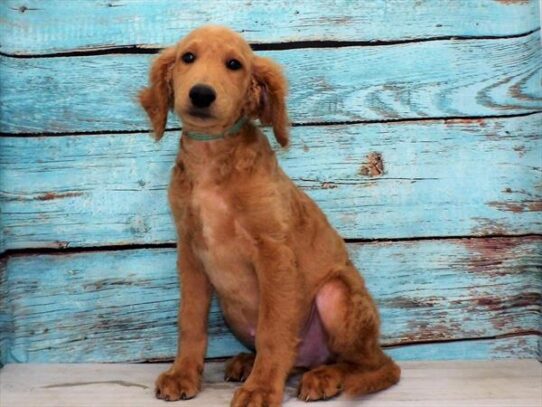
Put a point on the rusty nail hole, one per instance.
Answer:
(374, 166)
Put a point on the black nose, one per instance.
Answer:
(202, 95)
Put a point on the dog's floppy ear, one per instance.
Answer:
(158, 97)
(270, 87)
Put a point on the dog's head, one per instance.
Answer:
(211, 78)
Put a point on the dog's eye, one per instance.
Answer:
(188, 58)
(234, 64)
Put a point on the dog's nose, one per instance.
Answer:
(202, 95)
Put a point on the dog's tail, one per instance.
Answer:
(362, 381)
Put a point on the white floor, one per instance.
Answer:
(513, 383)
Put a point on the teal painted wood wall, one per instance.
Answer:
(449, 236)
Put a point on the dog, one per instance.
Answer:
(284, 280)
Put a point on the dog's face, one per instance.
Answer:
(211, 78)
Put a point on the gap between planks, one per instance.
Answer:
(101, 24)
(63, 250)
(424, 384)
(380, 90)
(433, 119)
(269, 46)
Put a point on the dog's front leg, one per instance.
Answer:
(279, 319)
(183, 379)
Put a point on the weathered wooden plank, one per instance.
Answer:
(517, 346)
(465, 384)
(5, 316)
(121, 305)
(415, 80)
(441, 178)
(61, 26)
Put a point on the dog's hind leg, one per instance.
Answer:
(351, 322)
(239, 367)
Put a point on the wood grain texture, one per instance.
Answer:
(63, 26)
(384, 60)
(416, 80)
(466, 384)
(121, 305)
(6, 323)
(441, 178)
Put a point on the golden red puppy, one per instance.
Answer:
(286, 285)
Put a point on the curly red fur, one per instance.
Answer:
(247, 232)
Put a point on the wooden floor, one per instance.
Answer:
(512, 383)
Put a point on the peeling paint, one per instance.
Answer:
(410, 303)
(329, 185)
(487, 255)
(488, 226)
(469, 122)
(520, 150)
(512, 2)
(535, 206)
(507, 206)
(489, 246)
(517, 207)
(438, 329)
(374, 166)
(52, 195)
(103, 284)
(502, 303)
(48, 196)
(61, 244)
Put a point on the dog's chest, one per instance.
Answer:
(220, 247)
(222, 251)
(214, 215)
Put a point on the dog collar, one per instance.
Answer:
(211, 137)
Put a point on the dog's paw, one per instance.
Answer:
(256, 397)
(320, 384)
(173, 385)
(239, 367)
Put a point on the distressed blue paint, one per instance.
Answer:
(451, 178)
(415, 80)
(443, 178)
(517, 347)
(121, 305)
(62, 26)
(6, 324)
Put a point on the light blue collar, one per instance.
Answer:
(211, 137)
